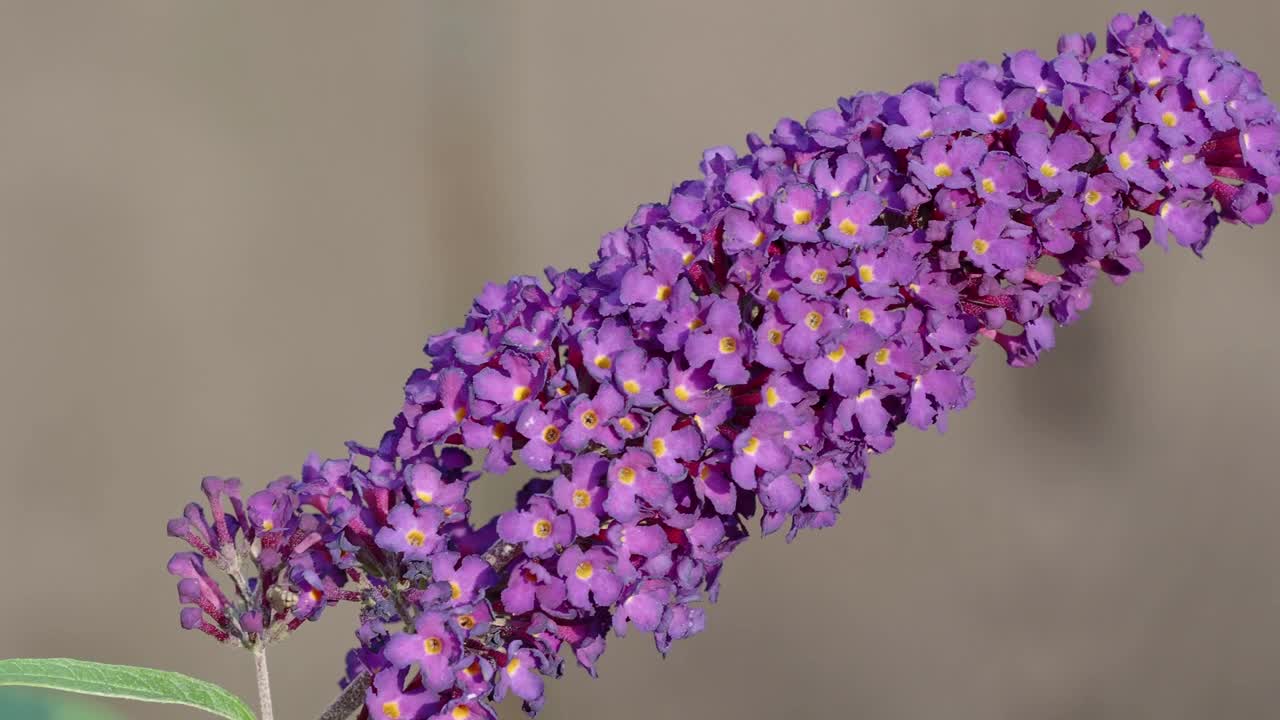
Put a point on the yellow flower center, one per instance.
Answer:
(813, 320)
(752, 446)
(627, 424)
(867, 315)
(817, 277)
(425, 496)
(836, 355)
(659, 447)
(943, 170)
(550, 434)
(589, 419)
(980, 246)
(866, 273)
(1204, 96)
(662, 293)
(603, 362)
(682, 393)
(1048, 169)
(755, 196)
(581, 499)
(1125, 160)
(865, 395)
(521, 393)
(584, 571)
(391, 709)
(1169, 119)
(432, 646)
(626, 475)
(728, 345)
(1093, 197)
(542, 529)
(848, 227)
(415, 538)
(998, 117)
(771, 396)
(460, 413)
(455, 590)
(882, 356)
(513, 666)
(773, 295)
(462, 712)
(775, 337)
(926, 134)
(686, 258)
(268, 525)
(988, 185)
(631, 387)
(801, 217)
(758, 240)
(466, 622)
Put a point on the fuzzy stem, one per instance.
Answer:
(349, 700)
(264, 682)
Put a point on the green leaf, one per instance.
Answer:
(123, 681)
(36, 704)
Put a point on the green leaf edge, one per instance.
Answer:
(67, 674)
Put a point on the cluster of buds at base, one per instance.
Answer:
(276, 559)
(739, 351)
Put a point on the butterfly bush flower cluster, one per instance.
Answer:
(738, 351)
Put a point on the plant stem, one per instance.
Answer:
(264, 682)
(349, 700)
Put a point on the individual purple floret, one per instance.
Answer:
(737, 352)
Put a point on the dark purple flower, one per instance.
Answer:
(722, 343)
(1051, 161)
(433, 647)
(412, 532)
(851, 221)
(386, 698)
(947, 163)
(539, 529)
(588, 577)
(992, 242)
(582, 493)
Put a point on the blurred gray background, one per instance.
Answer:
(226, 229)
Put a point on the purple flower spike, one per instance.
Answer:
(739, 351)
